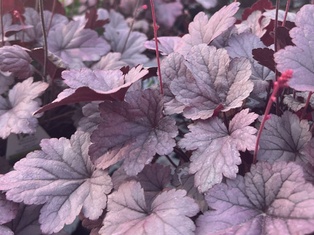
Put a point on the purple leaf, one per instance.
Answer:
(16, 60)
(284, 139)
(93, 225)
(217, 148)
(167, 12)
(260, 5)
(66, 182)
(154, 178)
(16, 112)
(299, 57)
(255, 24)
(271, 199)
(204, 30)
(167, 214)
(217, 81)
(91, 118)
(265, 56)
(8, 209)
(8, 27)
(74, 44)
(148, 132)
(90, 85)
(241, 46)
(26, 221)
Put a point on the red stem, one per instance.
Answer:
(280, 83)
(156, 44)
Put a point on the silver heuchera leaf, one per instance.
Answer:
(34, 32)
(129, 213)
(62, 177)
(217, 148)
(299, 58)
(173, 67)
(217, 81)
(204, 30)
(16, 112)
(133, 131)
(271, 199)
(74, 44)
(284, 139)
(16, 60)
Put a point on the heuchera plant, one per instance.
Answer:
(224, 146)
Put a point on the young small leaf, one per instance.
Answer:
(204, 30)
(16, 112)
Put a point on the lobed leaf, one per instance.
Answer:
(242, 45)
(74, 44)
(216, 82)
(148, 132)
(16, 112)
(217, 148)
(204, 30)
(62, 177)
(271, 199)
(128, 212)
(299, 57)
(91, 85)
(16, 60)
(284, 139)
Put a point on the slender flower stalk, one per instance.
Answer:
(280, 83)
